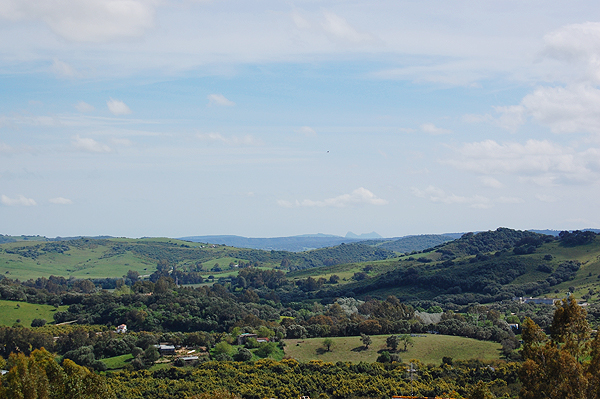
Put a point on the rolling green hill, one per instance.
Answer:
(97, 258)
(483, 267)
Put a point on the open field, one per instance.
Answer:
(110, 258)
(117, 362)
(428, 348)
(11, 311)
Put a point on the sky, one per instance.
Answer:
(269, 118)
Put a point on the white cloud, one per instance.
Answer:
(341, 29)
(86, 21)
(306, 130)
(438, 195)
(432, 129)
(118, 107)
(62, 69)
(569, 109)
(576, 44)
(489, 181)
(20, 200)
(60, 201)
(82, 106)
(219, 99)
(359, 196)
(537, 159)
(565, 109)
(89, 145)
(213, 137)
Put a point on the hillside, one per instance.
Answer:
(99, 258)
(483, 267)
(411, 243)
(315, 241)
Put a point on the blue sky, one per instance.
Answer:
(268, 118)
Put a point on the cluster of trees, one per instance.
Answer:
(40, 376)
(576, 237)
(289, 378)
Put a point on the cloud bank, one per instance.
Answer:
(360, 196)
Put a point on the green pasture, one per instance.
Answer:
(117, 362)
(11, 311)
(428, 348)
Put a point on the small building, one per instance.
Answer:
(537, 301)
(262, 340)
(165, 349)
(122, 328)
(188, 359)
(2, 372)
(242, 338)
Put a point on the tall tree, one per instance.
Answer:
(554, 368)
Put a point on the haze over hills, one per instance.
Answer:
(314, 241)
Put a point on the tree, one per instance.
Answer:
(242, 355)
(328, 343)
(407, 341)
(265, 349)
(555, 368)
(366, 340)
(151, 355)
(40, 376)
(222, 347)
(392, 342)
(384, 357)
(133, 276)
(38, 322)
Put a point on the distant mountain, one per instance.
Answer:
(293, 244)
(365, 236)
(315, 241)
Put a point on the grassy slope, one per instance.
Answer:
(428, 349)
(100, 262)
(588, 277)
(117, 362)
(26, 312)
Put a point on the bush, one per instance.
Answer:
(38, 322)
(242, 355)
(223, 357)
(384, 357)
(265, 349)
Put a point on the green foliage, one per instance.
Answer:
(222, 347)
(366, 340)
(289, 378)
(242, 355)
(564, 366)
(39, 376)
(265, 349)
(327, 344)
